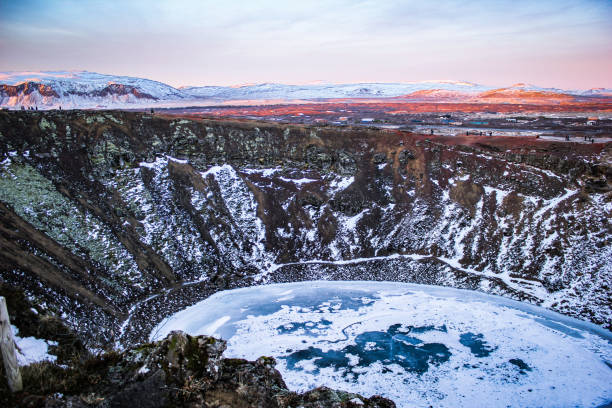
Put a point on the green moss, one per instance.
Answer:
(145, 347)
(195, 357)
(34, 198)
(234, 362)
(45, 125)
(173, 343)
(113, 119)
(345, 396)
(90, 119)
(267, 360)
(45, 378)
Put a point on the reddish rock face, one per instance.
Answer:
(466, 194)
(110, 216)
(27, 88)
(120, 89)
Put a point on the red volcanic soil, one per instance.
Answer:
(506, 93)
(346, 109)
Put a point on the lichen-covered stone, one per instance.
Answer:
(180, 371)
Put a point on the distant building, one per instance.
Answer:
(367, 120)
(591, 122)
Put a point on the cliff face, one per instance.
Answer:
(115, 219)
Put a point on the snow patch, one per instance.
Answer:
(32, 350)
(340, 184)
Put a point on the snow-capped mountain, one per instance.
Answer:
(523, 87)
(597, 92)
(82, 89)
(331, 91)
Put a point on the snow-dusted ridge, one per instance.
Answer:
(83, 89)
(326, 91)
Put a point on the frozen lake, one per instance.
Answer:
(418, 345)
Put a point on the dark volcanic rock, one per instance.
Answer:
(404, 156)
(179, 371)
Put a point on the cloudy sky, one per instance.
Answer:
(556, 43)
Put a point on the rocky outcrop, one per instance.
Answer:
(27, 88)
(179, 371)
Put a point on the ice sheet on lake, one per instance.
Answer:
(418, 345)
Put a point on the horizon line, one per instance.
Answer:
(300, 83)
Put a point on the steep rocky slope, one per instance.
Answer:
(112, 220)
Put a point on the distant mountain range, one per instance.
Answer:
(82, 89)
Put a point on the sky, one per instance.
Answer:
(551, 43)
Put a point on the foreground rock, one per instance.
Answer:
(180, 371)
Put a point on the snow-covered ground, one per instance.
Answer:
(419, 345)
(32, 350)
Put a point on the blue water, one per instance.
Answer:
(476, 343)
(387, 347)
